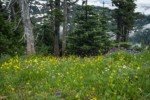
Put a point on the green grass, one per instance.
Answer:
(117, 76)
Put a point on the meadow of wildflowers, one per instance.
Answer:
(116, 76)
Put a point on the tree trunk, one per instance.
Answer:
(64, 28)
(126, 35)
(118, 35)
(28, 30)
(56, 31)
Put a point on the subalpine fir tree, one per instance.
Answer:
(5, 32)
(9, 36)
(125, 18)
(89, 36)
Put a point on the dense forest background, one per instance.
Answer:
(62, 27)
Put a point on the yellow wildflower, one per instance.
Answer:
(93, 89)
(12, 89)
(93, 99)
(77, 96)
(81, 77)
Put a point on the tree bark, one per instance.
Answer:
(28, 30)
(56, 30)
(118, 35)
(64, 28)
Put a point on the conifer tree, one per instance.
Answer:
(89, 37)
(9, 37)
(125, 17)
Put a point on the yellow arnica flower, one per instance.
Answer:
(93, 99)
(12, 89)
(81, 77)
(77, 96)
(28, 83)
(93, 89)
(138, 68)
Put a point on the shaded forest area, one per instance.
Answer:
(67, 28)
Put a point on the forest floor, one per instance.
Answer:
(116, 76)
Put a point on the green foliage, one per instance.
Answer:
(45, 30)
(10, 37)
(125, 17)
(126, 45)
(44, 40)
(137, 48)
(58, 14)
(89, 36)
(114, 76)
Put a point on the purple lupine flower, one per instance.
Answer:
(58, 93)
(113, 50)
(131, 51)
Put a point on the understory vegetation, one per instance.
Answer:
(115, 76)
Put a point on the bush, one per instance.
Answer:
(126, 45)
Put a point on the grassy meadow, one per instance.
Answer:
(116, 76)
